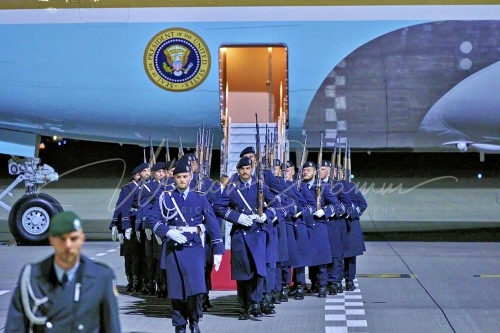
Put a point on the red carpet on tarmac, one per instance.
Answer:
(221, 280)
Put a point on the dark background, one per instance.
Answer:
(110, 160)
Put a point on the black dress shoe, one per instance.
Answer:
(349, 286)
(206, 303)
(332, 290)
(314, 289)
(255, 310)
(265, 307)
(275, 299)
(284, 293)
(244, 315)
(299, 293)
(338, 287)
(322, 292)
(194, 328)
(180, 329)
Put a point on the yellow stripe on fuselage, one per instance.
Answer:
(44, 4)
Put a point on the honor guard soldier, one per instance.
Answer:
(66, 292)
(133, 242)
(120, 220)
(320, 252)
(297, 239)
(276, 249)
(239, 205)
(337, 233)
(187, 217)
(152, 248)
(355, 204)
(126, 208)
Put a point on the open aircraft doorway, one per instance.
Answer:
(253, 79)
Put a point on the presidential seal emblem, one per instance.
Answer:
(177, 59)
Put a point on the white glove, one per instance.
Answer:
(297, 215)
(245, 220)
(114, 233)
(319, 213)
(138, 235)
(176, 236)
(217, 261)
(128, 233)
(260, 219)
(158, 239)
(120, 238)
(149, 233)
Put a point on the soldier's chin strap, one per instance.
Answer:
(27, 293)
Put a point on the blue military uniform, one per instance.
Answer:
(248, 243)
(192, 215)
(320, 250)
(297, 242)
(355, 208)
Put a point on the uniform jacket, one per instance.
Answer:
(185, 263)
(355, 206)
(248, 244)
(96, 311)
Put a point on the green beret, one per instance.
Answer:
(64, 223)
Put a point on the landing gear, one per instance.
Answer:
(30, 216)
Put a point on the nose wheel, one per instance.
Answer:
(30, 216)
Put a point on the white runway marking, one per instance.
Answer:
(344, 313)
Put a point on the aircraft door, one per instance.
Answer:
(253, 79)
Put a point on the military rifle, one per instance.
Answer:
(200, 150)
(181, 150)
(302, 161)
(167, 152)
(259, 171)
(318, 174)
(152, 157)
(332, 170)
(339, 158)
(347, 174)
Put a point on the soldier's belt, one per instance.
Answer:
(186, 229)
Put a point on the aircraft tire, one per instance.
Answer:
(30, 216)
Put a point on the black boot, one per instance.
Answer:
(137, 284)
(130, 283)
(206, 303)
(255, 310)
(349, 285)
(332, 290)
(180, 329)
(314, 289)
(266, 308)
(299, 292)
(322, 292)
(152, 288)
(244, 314)
(275, 298)
(194, 328)
(284, 294)
(338, 287)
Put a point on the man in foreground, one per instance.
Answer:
(66, 292)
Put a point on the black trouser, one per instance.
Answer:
(249, 291)
(152, 258)
(186, 310)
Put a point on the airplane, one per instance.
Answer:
(389, 76)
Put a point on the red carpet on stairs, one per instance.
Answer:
(221, 280)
